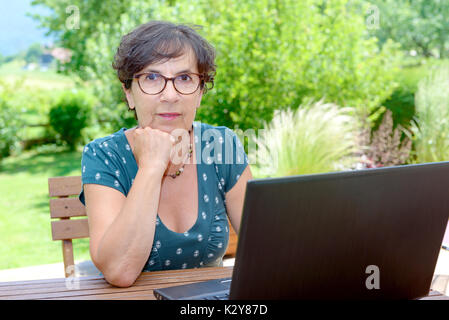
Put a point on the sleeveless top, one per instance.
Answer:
(220, 159)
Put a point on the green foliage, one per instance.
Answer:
(271, 54)
(419, 25)
(9, 125)
(402, 105)
(402, 101)
(315, 138)
(70, 115)
(432, 117)
(73, 29)
(9, 121)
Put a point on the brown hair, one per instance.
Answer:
(156, 41)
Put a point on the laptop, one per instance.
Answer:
(367, 234)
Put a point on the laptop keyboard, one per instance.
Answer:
(217, 297)
(216, 289)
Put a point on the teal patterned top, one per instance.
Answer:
(220, 159)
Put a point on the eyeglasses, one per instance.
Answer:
(154, 83)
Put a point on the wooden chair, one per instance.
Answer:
(66, 206)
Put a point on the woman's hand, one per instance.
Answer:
(151, 148)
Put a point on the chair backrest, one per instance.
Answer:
(65, 205)
(62, 208)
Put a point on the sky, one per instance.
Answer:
(17, 30)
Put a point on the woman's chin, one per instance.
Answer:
(166, 126)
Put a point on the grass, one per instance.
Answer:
(25, 231)
(34, 79)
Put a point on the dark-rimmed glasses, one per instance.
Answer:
(154, 83)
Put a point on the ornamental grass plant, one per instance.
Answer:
(431, 127)
(317, 137)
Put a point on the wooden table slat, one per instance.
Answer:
(147, 281)
(141, 292)
(167, 273)
(103, 285)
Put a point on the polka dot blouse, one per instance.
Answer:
(221, 160)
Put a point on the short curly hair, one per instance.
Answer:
(157, 41)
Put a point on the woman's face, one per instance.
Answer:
(152, 110)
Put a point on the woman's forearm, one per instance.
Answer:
(126, 245)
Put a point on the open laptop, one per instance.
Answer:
(368, 234)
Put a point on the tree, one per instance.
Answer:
(34, 53)
(419, 25)
(271, 54)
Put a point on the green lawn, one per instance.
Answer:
(25, 232)
(35, 79)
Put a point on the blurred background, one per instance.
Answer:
(335, 85)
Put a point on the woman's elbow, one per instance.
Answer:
(118, 277)
(121, 280)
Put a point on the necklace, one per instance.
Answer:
(180, 170)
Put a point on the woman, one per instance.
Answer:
(158, 195)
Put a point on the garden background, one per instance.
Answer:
(336, 85)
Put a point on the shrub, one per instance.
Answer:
(315, 138)
(385, 147)
(402, 106)
(70, 115)
(402, 100)
(9, 119)
(9, 125)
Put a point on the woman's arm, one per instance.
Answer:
(235, 198)
(122, 228)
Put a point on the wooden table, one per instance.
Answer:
(96, 288)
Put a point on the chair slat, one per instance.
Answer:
(66, 208)
(64, 186)
(69, 229)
